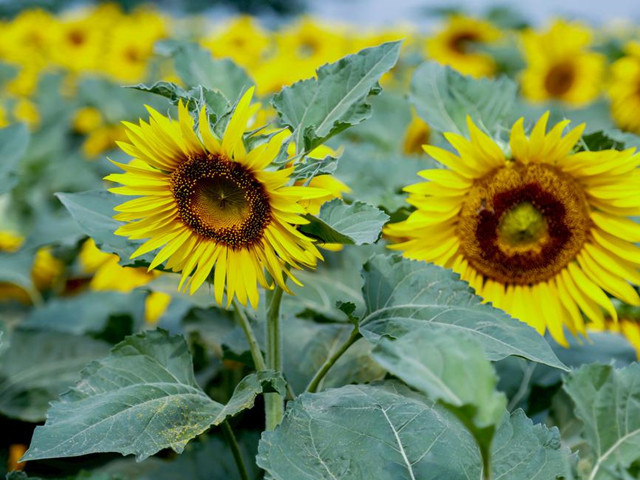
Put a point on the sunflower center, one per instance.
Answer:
(523, 224)
(221, 200)
(462, 42)
(559, 79)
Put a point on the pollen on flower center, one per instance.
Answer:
(559, 79)
(221, 200)
(522, 224)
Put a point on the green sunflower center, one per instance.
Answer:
(221, 200)
(522, 225)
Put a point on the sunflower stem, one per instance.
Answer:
(329, 362)
(274, 402)
(235, 450)
(254, 347)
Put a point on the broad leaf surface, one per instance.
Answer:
(389, 432)
(93, 211)
(452, 370)
(607, 401)
(86, 313)
(338, 222)
(195, 66)
(13, 144)
(36, 367)
(443, 98)
(403, 295)
(140, 399)
(318, 108)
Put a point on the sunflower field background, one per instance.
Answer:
(272, 246)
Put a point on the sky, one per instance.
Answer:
(390, 12)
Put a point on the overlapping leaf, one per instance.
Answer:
(403, 295)
(318, 108)
(140, 399)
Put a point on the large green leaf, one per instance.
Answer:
(140, 399)
(524, 451)
(386, 174)
(86, 313)
(38, 366)
(452, 370)
(404, 295)
(389, 432)
(13, 143)
(444, 98)
(94, 213)
(195, 66)
(318, 108)
(338, 222)
(607, 401)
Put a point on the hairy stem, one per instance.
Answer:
(235, 449)
(320, 374)
(274, 402)
(254, 347)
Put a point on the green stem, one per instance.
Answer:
(320, 374)
(235, 450)
(254, 347)
(486, 463)
(274, 402)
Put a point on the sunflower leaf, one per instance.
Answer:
(387, 431)
(140, 399)
(607, 401)
(93, 211)
(36, 367)
(318, 108)
(443, 98)
(403, 296)
(195, 66)
(13, 144)
(338, 222)
(452, 370)
(312, 167)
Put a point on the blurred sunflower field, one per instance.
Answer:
(280, 247)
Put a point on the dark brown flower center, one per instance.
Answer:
(559, 79)
(221, 200)
(523, 224)
(462, 42)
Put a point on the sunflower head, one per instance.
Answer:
(560, 65)
(213, 205)
(457, 45)
(624, 89)
(540, 231)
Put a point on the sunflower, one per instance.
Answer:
(108, 274)
(417, 134)
(541, 232)
(560, 65)
(243, 40)
(456, 46)
(212, 204)
(624, 89)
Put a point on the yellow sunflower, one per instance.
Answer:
(417, 134)
(560, 65)
(539, 231)
(456, 45)
(212, 203)
(624, 89)
(243, 40)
